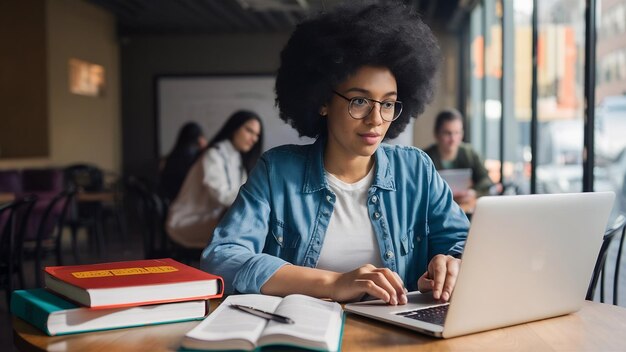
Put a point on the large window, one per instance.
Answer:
(492, 85)
(517, 79)
(484, 108)
(560, 100)
(475, 104)
(500, 94)
(610, 99)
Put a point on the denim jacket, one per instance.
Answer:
(282, 212)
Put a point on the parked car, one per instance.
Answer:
(560, 158)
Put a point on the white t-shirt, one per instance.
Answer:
(350, 240)
(210, 187)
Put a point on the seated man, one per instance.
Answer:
(451, 153)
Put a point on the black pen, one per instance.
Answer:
(262, 314)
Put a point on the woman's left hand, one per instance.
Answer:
(440, 276)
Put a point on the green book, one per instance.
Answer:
(57, 316)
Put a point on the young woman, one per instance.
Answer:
(346, 216)
(214, 180)
(189, 144)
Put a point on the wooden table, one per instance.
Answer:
(596, 327)
(104, 196)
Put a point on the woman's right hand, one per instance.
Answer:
(381, 283)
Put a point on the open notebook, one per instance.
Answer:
(318, 325)
(526, 258)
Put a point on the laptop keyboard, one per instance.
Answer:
(434, 315)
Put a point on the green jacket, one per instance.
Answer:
(465, 158)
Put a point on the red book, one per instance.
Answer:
(132, 283)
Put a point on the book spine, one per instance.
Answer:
(30, 312)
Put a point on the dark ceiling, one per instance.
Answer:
(150, 17)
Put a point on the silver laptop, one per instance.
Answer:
(526, 258)
(458, 180)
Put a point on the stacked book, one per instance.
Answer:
(116, 295)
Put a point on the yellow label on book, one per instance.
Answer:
(90, 274)
(124, 271)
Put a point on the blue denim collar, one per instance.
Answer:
(315, 179)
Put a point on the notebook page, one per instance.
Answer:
(227, 323)
(315, 320)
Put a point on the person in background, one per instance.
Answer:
(346, 216)
(214, 179)
(449, 152)
(189, 144)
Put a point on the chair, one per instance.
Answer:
(7, 252)
(23, 213)
(618, 261)
(85, 178)
(152, 210)
(46, 184)
(10, 181)
(599, 269)
(42, 180)
(13, 219)
(90, 214)
(49, 232)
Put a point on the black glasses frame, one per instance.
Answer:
(371, 101)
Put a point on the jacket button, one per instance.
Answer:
(389, 255)
(329, 198)
(374, 199)
(280, 239)
(376, 215)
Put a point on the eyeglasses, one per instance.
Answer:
(360, 107)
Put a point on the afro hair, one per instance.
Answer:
(325, 50)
